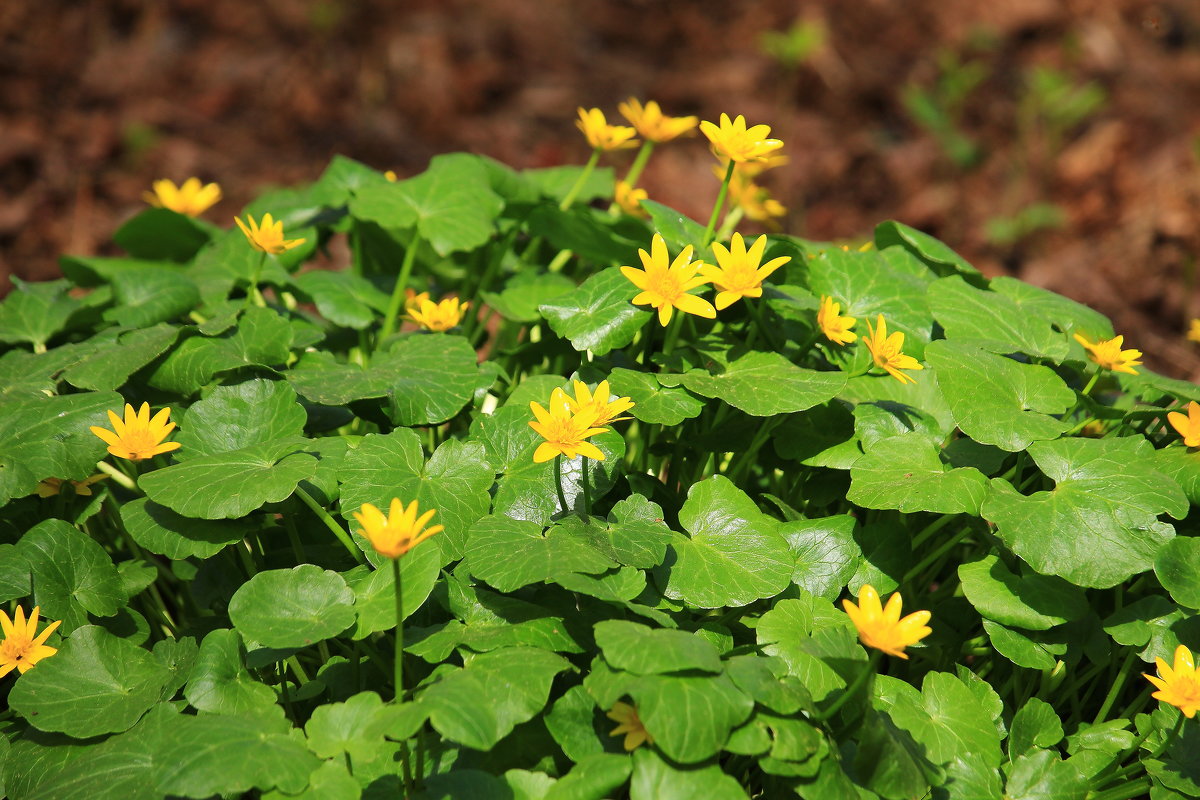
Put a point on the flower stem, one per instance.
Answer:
(330, 523)
(583, 481)
(672, 334)
(853, 688)
(1115, 689)
(584, 174)
(647, 343)
(399, 666)
(1086, 391)
(760, 325)
(117, 475)
(716, 212)
(560, 260)
(562, 498)
(639, 163)
(254, 295)
(393, 311)
(730, 222)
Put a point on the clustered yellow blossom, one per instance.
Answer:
(654, 125)
(1188, 424)
(565, 430)
(665, 284)
(733, 140)
(53, 486)
(438, 316)
(603, 136)
(191, 198)
(886, 351)
(600, 401)
(738, 273)
(755, 201)
(630, 724)
(1109, 355)
(399, 531)
(267, 236)
(881, 627)
(630, 199)
(138, 437)
(835, 327)
(1179, 684)
(21, 648)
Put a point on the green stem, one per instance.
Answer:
(330, 523)
(647, 342)
(1086, 391)
(931, 529)
(760, 325)
(760, 438)
(716, 212)
(117, 475)
(399, 665)
(583, 481)
(853, 688)
(936, 554)
(560, 260)
(584, 174)
(562, 498)
(254, 295)
(1130, 790)
(639, 163)
(294, 539)
(1115, 689)
(730, 222)
(672, 333)
(397, 301)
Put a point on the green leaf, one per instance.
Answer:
(992, 322)
(888, 761)
(1032, 601)
(826, 554)
(112, 364)
(950, 722)
(656, 779)
(525, 292)
(292, 607)
(1029, 649)
(34, 312)
(481, 703)
(220, 683)
(1066, 314)
(343, 298)
(1042, 775)
(262, 338)
(451, 204)
(593, 777)
(712, 705)
(160, 530)
(244, 414)
(1153, 623)
(928, 249)
(734, 553)
(642, 650)
(355, 727)
(428, 378)
(762, 384)
(147, 297)
(375, 591)
(1177, 566)
(160, 233)
(1036, 725)
(598, 316)
(72, 574)
(906, 473)
(233, 484)
(511, 553)
(455, 482)
(14, 574)
(996, 400)
(635, 534)
(556, 182)
(655, 403)
(801, 632)
(1100, 524)
(903, 401)
(96, 683)
(765, 680)
(591, 235)
(678, 230)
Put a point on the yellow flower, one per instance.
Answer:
(1194, 331)
(738, 273)
(752, 169)
(754, 200)
(601, 135)
(665, 287)
(269, 236)
(881, 627)
(1109, 355)
(836, 328)
(564, 430)
(400, 531)
(439, 316)
(138, 437)
(412, 300)
(391, 176)
(886, 351)
(1188, 425)
(631, 725)
(191, 198)
(735, 141)
(1178, 685)
(600, 402)
(652, 124)
(20, 649)
(83, 488)
(630, 200)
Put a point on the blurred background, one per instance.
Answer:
(1054, 140)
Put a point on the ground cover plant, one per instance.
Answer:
(557, 493)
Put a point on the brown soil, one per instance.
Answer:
(99, 98)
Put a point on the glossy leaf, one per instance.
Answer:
(292, 607)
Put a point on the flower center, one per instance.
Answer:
(667, 286)
(1187, 689)
(139, 442)
(14, 648)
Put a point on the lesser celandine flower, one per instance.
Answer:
(1178, 685)
(665, 284)
(267, 236)
(1193, 333)
(630, 200)
(399, 531)
(885, 350)
(737, 273)
(566, 431)
(654, 125)
(52, 486)
(439, 316)
(631, 725)
(412, 300)
(601, 135)
(21, 649)
(733, 140)
(601, 401)
(191, 198)
(391, 176)
(138, 437)
(881, 627)
(755, 201)
(836, 328)
(1188, 424)
(1109, 355)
